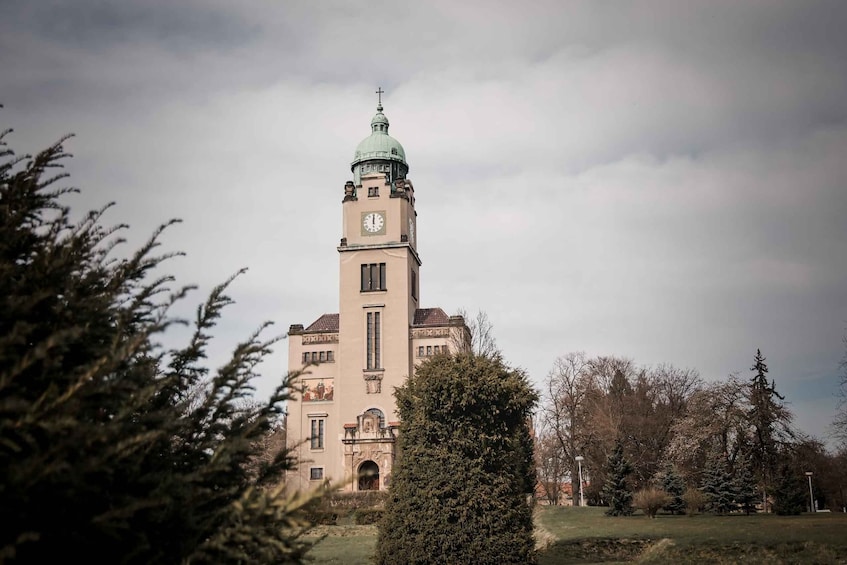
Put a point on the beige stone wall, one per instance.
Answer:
(353, 435)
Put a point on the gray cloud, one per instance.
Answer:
(660, 180)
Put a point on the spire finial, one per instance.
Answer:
(379, 92)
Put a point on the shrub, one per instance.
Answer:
(459, 489)
(694, 501)
(366, 516)
(109, 442)
(650, 500)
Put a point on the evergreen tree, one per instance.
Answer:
(789, 493)
(616, 490)
(460, 486)
(674, 485)
(769, 421)
(111, 448)
(717, 485)
(746, 493)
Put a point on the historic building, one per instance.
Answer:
(345, 423)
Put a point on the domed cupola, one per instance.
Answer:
(379, 152)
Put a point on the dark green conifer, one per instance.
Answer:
(674, 485)
(616, 491)
(746, 493)
(789, 494)
(113, 449)
(770, 423)
(460, 489)
(717, 484)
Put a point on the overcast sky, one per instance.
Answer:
(664, 181)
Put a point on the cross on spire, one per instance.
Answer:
(380, 92)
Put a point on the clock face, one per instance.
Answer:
(373, 222)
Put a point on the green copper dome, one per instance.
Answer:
(379, 145)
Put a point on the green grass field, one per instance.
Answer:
(586, 535)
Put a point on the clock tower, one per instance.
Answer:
(345, 423)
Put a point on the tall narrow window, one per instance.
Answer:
(317, 438)
(373, 276)
(377, 332)
(414, 285)
(373, 340)
(369, 344)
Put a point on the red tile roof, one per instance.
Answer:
(326, 323)
(431, 317)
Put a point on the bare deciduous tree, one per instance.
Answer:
(564, 415)
(479, 339)
(716, 412)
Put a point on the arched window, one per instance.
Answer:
(368, 476)
(379, 415)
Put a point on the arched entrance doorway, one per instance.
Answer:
(368, 476)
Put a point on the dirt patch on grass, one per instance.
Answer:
(596, 550)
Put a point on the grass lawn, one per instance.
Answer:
(344, 545)
(586, 535)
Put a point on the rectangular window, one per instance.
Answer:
(317, 437)
(322, 356)
(420, 351)
(373, 276)
(314, 356)
(373, 341)
(306, 358)
(429, 350)
(414, 285)
(373, 191)
(316, 473)
(330, 356)
(435, 349)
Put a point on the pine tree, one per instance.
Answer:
(769, 421)
(616, 491)
(789, 494)
(674, 485)
(746, 493)
(460, 486)
(717, 485)
(112, 448)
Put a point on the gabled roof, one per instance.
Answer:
(431, 317)
(326, 323)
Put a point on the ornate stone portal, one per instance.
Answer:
(369, 450)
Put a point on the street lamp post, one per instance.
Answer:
(811, 496)
(579, 459)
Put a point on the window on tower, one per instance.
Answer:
(373, 191)
(317, 438)
(414, 285)
(373, 340)
(373, 276)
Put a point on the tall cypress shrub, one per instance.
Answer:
(461, 487)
